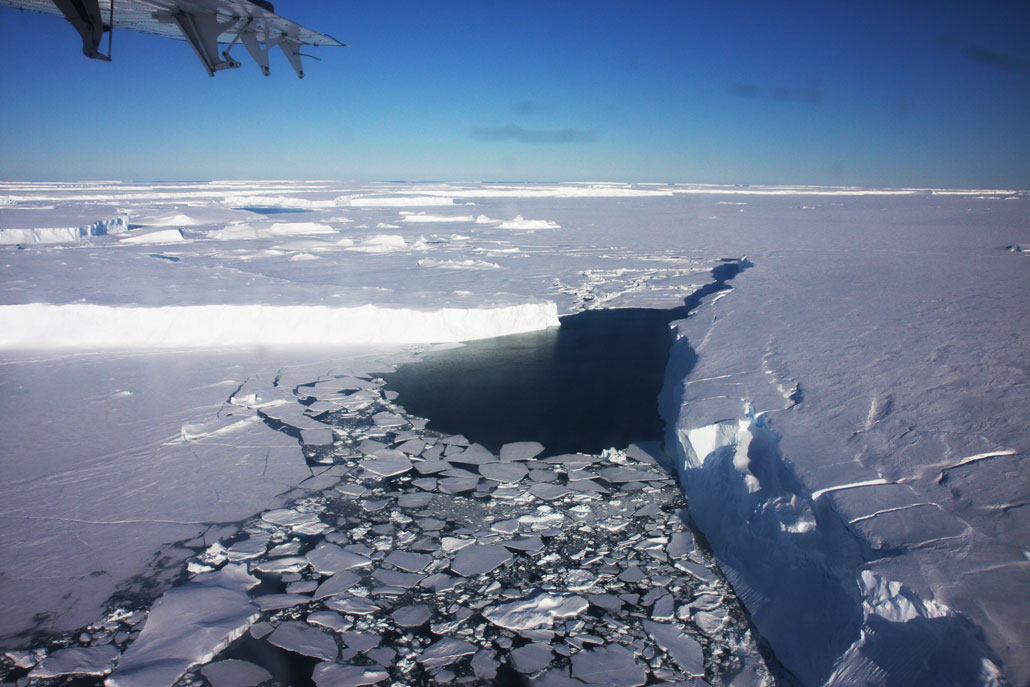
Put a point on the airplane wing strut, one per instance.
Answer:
(204, 24)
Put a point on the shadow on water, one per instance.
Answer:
(590, 384)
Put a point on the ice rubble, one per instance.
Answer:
(376, 552)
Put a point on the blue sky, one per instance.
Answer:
(873, 94)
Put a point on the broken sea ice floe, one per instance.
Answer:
(91, 660)
(304, 639)
(188, 626)
(535, 612)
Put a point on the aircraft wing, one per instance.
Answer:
(204, 24)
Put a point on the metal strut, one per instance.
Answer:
(202, 32)
(85, 16)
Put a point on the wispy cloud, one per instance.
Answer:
(513, 132)
(998, 60)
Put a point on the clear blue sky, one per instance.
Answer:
(876, 94)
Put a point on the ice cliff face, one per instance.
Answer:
(801, 569)
(64, 230)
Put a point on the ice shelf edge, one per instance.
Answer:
(79, 326)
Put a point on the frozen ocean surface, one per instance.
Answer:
(186, 376)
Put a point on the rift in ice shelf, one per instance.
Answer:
(204, 24)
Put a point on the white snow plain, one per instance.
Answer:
(851, 440)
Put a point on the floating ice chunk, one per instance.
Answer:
(305, 640)
(412, 616)
(387, 463)
(683, 648)
(608, 665)
(699, 571)
(535, 612)
(329, 620)
(235, 673)
(648, 511)
(316, 437)
(440, 583)
(503, 472)
(21, 659)
(360, 641)
(708, 622)
(159, 236)
(187, 626)
(412, 447)
(427, 218)
(663, 609)
(542, 475)
(338, 584)
(531, 658)
(385, 419)
(705, 602)
(680, 544)
(327, 558)
(484, 665)
(478, 559)
(273, 602)
(476, 454)
(521, 450)
(302, 523)
(452, 544)
(520, 223)
(532, 544)
(335, 675)
(431, 467)
(278, 566)
(505, 526)
(543, 518)
(412, 562)
(354, 605)
(617, 475)
(445, 652)
(394, 578)
(89, 660)
(549, 492)
(414, 500)
(457, 485)
(384, 243)
(248, 548)
(632, 574)
(609, 602)
(455, 440)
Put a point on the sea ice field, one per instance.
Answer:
(316, 433)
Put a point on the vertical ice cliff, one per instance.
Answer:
(801, 570)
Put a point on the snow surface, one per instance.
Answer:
(848, 423)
